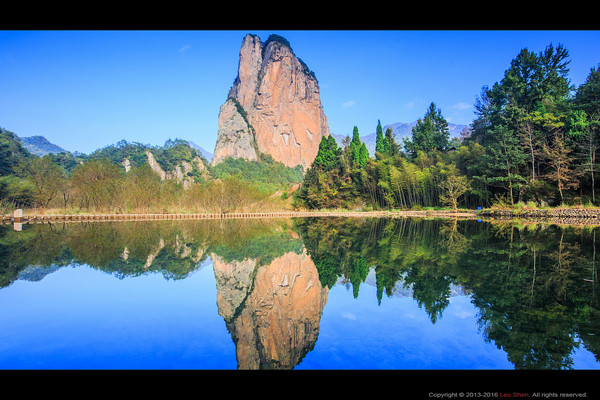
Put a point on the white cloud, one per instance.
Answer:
(348, 315)
(184, 48)
(461, 106)
(417, 101)
(348, 104)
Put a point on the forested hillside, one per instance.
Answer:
(533, 142)
(135, 177)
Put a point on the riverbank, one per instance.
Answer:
(37, 218)
(572, 216)
(561, 215)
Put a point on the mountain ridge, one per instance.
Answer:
(40, 146)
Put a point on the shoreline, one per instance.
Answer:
(572, 216)
(561, 216)
(39, 218)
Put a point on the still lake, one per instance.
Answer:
(299, 293)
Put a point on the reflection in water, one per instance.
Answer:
(272, 312)
(535, 286)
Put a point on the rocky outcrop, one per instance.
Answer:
(235, 138)
(280, 98)
(155, 166)
(179, 174)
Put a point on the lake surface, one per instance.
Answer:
(305, 293)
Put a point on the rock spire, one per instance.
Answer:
(273, 107)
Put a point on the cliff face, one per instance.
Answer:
(282, 103)
(235, 138)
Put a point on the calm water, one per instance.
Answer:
(310, 293)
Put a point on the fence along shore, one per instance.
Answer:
(560, 216)
(19, 217)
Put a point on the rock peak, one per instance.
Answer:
(279, 99)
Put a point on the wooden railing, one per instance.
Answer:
(150, 217)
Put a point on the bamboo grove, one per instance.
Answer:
(533, 142)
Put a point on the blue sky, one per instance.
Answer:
(85, 90)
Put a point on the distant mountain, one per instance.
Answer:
(40, 145)
(400, 130)
(208, 155)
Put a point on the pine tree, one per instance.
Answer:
(363, 158)
(355, 146)
(379, 139)
(430, 133)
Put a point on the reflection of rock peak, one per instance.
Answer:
(277, 311)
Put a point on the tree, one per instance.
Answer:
(97, 183)
(586, 128)
(322, 182)
(355, 146)
(587, 97)
(454, 186)
(380, 140)
(328, 155)
(430, 133)
(502, 161)
(11, 152)
(363, 156)
(390, 145)
(559, 157)
(532, 81)
(482, 124)
(586, 142)
(141, 188)
(46, 177)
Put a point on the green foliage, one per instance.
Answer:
(430, 133)
(97, 182)
(266, 174)
(277, 39)
(134, 152)
(47, 178)
(328, 157)
(330, 182)
(16, 193)
(11, 152)
(380, 142)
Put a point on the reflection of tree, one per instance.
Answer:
(431, 291)
(135, 248)
(535, 285)
(339, 247)
(530, 292)
(345, 249)
(35, 246)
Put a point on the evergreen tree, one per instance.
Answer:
(363, 157)
(503, 160)
(328, 156)
(379, 139)
(430, 133)
(391, 147)
(355, 146)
